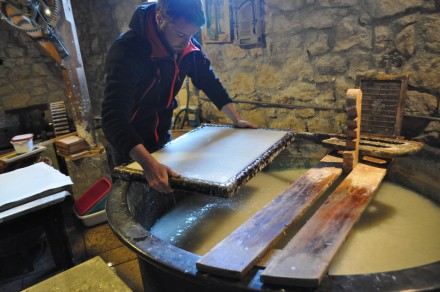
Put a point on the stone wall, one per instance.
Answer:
(27, 76)
(98, 24)
(313, 51)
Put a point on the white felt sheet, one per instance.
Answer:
(29, 181)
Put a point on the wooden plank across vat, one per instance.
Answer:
(215, 159)
(306, 258)
(238, 253)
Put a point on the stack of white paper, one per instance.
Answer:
(28, 183)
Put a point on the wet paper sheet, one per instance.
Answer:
(30, 183)
(216, 159)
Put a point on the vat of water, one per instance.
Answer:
(394, 246)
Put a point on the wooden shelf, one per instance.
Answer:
(82, 154)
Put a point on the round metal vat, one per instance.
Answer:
(132, 209)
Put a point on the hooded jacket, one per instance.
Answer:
(142, 80)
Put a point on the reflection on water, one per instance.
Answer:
(398, 230)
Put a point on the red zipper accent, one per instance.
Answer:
(176, 73)
(156, 135)
(145, 93)
(189, 49)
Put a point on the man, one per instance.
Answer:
(145, 69)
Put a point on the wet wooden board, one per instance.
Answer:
(238, 253)
(306, 258)
(377, 147)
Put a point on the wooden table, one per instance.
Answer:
(46, 213)
(32, 200)
(12, 160)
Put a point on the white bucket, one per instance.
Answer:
(23, 143)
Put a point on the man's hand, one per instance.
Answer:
(157, 177)
(245, 124)
(232, 114)
(155, 172)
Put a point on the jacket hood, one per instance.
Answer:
(143, 22)
(138, 20)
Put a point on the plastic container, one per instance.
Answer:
(93, 219)
(23, 143)
(93, 200)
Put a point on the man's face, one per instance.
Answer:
(177, 33)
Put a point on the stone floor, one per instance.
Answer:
(86, 243)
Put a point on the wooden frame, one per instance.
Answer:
(383, 100)
(215, 159)
(248, 28)
(218, 21)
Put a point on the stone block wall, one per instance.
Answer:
(298, 79)
(314, 49)
(27, 76)
(98, 24)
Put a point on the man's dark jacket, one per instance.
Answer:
(142, 80)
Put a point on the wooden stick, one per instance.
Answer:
(353, 108)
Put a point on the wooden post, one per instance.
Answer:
(353, 109)
(74, 76)
(72, 69)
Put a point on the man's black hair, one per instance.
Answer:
(190, 10)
